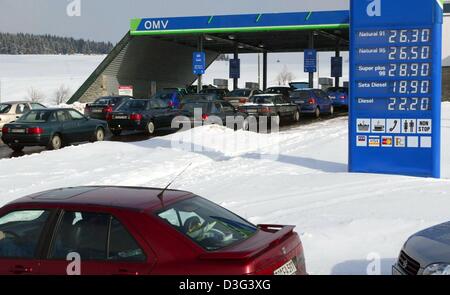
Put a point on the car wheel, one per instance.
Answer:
(296, 116)
(276, 120)
(99, 134)
(317, 112)
(116, 132)
(331, 110)
(55, 143)
(245, 125)
(17, 148)
(151, 128)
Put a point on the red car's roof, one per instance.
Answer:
(109, 196)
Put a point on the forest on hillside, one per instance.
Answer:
(48, 44)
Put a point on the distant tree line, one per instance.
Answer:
(49, 44)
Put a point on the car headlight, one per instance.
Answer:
(437, 269)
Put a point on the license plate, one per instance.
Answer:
(287, 269)
(299, 101)
(120, 117)
(17, 131)
(252, 111)
(96, 111)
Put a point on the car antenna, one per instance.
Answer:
(161, 194)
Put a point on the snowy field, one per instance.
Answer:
(44, 73)
(295, 177)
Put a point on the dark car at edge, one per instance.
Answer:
(52, 128)
(426, 253)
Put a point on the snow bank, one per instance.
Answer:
(296, 177)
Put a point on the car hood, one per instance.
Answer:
(431, 245)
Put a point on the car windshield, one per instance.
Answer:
(207, 224)
(192, 105)
(262, 99)
(133, 105)
(240, 93)
(35, 116)
(4, 108)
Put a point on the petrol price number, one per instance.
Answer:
(409, 53)
(409, 70)
(411, 87)
(404, 104)
(409, 36)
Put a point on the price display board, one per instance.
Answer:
(395, 87)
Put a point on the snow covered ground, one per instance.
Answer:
(295, 177)
(44, 73)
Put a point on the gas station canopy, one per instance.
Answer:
(157, 52)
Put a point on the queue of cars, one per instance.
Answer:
(31, 124)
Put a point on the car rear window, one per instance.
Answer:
(262, 99)
(338, 89)
(5, 108)
(103, 101)
(300, 94)
(191, 106)
(207, 224)
(157, 104)
(133, 105)
(35, 116)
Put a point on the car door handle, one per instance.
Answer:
(20, 270)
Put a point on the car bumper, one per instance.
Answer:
(98, 116)
(340, 103)
(26, 140)
(308, 109)
(126, 125)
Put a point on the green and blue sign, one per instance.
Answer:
(395, 87)
(244, 22)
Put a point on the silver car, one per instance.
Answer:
(13, 110)
(426, 253)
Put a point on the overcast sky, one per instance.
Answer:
(108, 20)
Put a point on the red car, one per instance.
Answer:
(131, 231)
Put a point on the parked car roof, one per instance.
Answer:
(267, 94)
(136, 198)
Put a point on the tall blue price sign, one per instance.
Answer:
(395, 87)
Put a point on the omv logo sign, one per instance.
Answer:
(374, 8)
(156, 24)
